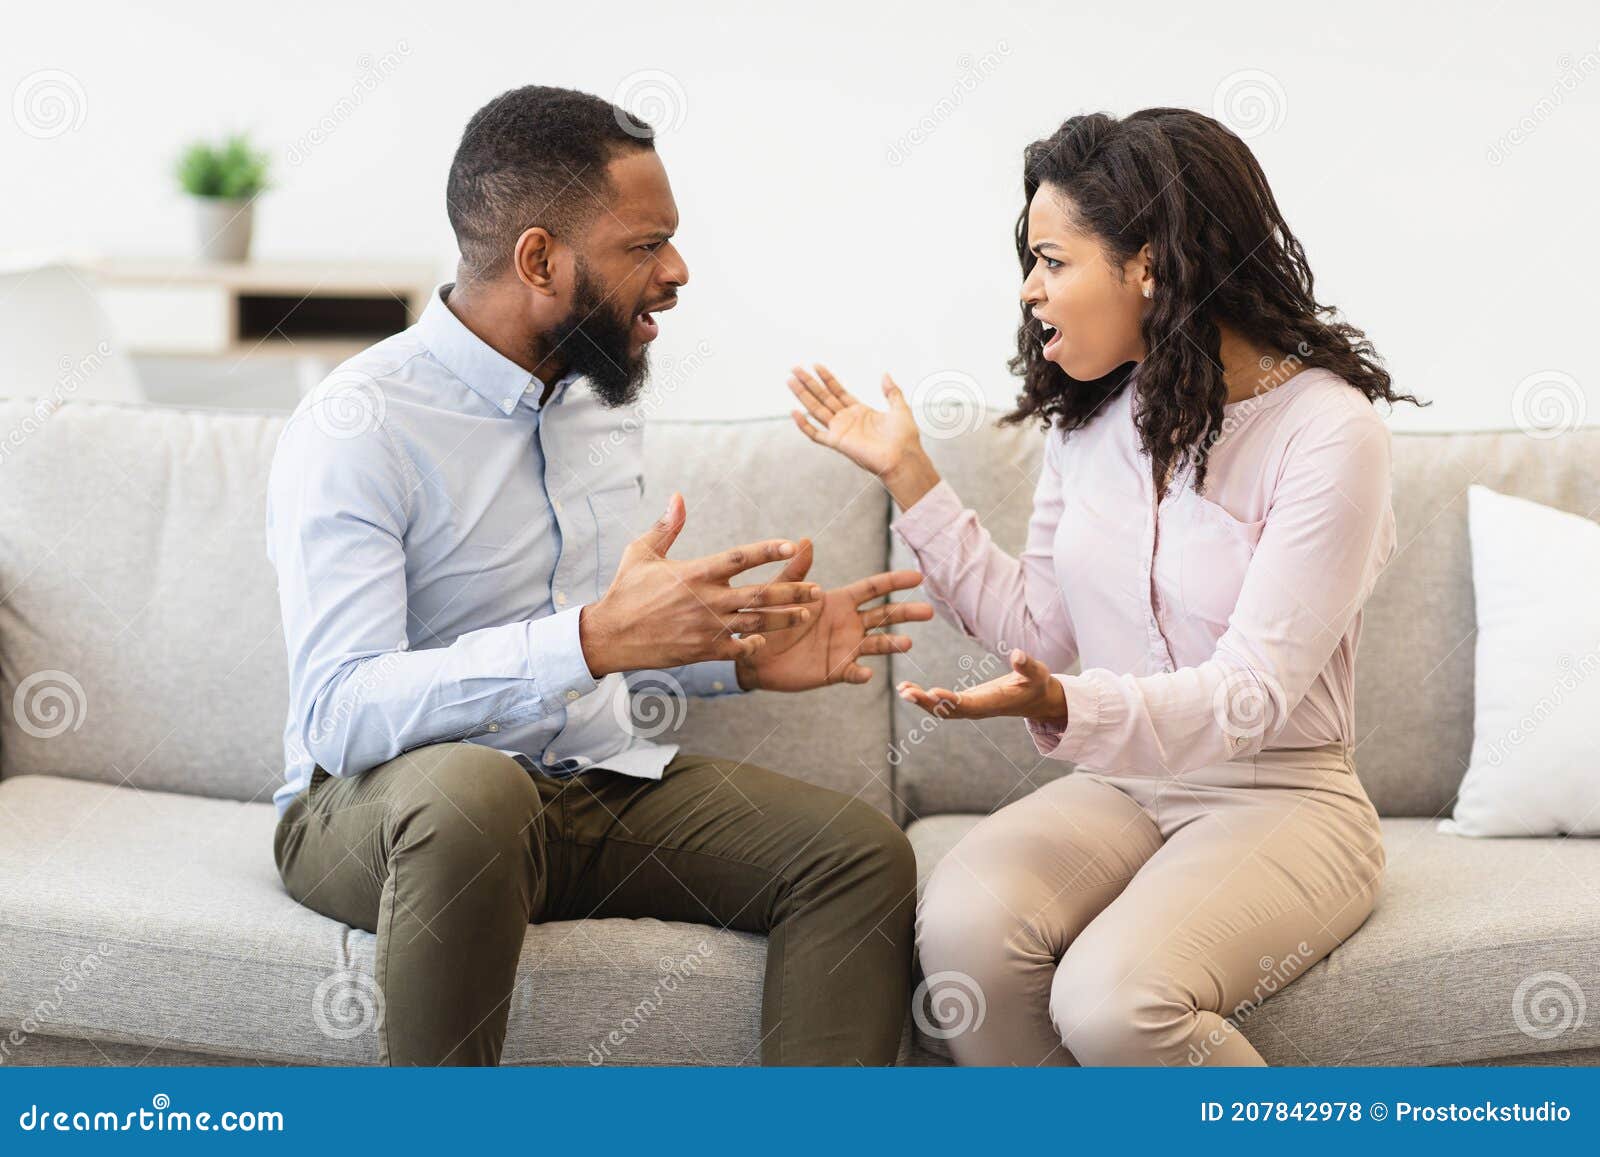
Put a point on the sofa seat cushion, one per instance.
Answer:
(158, 920)
(1478, 950)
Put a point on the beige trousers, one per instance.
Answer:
(1136, 920)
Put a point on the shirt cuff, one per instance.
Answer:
(1083, 717)
(929, 516)
(555, 659)
(710, 679)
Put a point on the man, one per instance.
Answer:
(463, 610)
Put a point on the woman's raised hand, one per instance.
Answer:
(885, 442)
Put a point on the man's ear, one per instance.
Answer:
(535, 259)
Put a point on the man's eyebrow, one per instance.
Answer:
(653, 235)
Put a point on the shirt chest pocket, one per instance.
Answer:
(1215, 553)
(616, 513)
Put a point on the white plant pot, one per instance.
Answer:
(222, 228)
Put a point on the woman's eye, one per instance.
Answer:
(1050, 262)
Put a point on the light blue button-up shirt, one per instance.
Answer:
(436, 531)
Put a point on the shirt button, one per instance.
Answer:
(718, 686)
(550, 758)
(571, 695)
(492, 727)
(506, 403)
(556, 503)
(561, 599)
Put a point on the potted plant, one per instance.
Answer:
(223, 180)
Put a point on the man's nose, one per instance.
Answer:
(672, 269)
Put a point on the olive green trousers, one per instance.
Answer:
(448, 852)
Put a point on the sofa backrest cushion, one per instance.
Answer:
(1414, 670)
(752, 480)
(140, 640)
(956, 765)
(140, 616)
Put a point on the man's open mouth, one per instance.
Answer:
(645, 326)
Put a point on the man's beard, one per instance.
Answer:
(596, 343)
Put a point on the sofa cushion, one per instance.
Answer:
(1478, 950)
(141, 616)
(155, 919)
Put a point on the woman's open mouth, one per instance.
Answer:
(1050, 335)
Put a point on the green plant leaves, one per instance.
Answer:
(232, 170)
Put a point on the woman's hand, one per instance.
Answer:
(884, 442)
(1029, 691)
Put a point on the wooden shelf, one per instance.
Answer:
(326, 310)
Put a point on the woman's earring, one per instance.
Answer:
(1148, 291)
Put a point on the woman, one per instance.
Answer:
(1212, 511)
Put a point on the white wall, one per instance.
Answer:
(805, 238)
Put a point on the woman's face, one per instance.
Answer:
(1094, 315)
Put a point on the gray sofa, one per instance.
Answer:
(142, 920)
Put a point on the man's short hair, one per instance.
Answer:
(534, 156)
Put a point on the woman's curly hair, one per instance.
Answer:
(1185, 185)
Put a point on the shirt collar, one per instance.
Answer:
(496, 378)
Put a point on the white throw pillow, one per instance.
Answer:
(1535, 768)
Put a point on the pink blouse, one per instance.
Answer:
(1206, 627)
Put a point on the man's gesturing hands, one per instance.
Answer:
(828, 646)
(661, 612)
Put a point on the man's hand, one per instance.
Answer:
(661, 612)
(827, 648)
(1029, 691)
